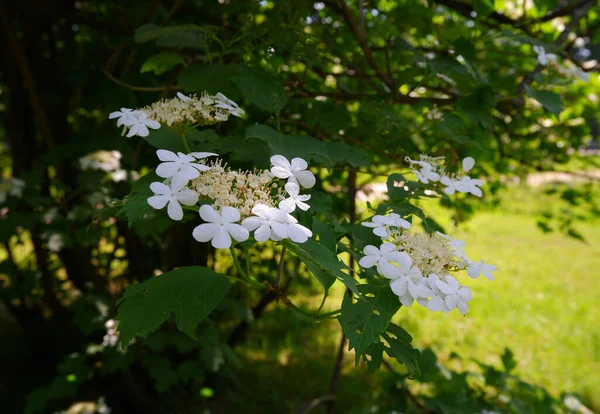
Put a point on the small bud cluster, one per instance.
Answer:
(551, 60)
(432, 169)
(112, 335)
(11, 187)
(178, 111)
(240, 189)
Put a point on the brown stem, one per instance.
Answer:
(280, 268)
(365, 47)
(138, 88)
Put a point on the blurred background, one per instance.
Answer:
(377, 80)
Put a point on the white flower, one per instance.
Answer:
(183, 97)
(140, 126)
(295, 199)
(426, 173)
(225, 103)
(407, 283)
(543, 57)
(467, 164)
(456, 296)
(475, 269)
(383, 257)
(380, 225)
(469, 185)
(295, 172)
(17, 186)
(173, 195)
(55, 242)
(127, 117)
(268, 222)
(180, 166)
(220, 227)
(436, 303)
(296, 231)
(398, 221)
(450, 184)
(457, 245)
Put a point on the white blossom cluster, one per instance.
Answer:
(550, 59)
(13, 187)
(98, 407)
(432, 169)
(254, 196)
(112, 334)
(181, 110)
(421, 266)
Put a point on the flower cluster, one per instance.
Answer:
(112, 335)
(253, 196)
(432, 169)
(181, 110)
(13, 187)
(550, 59)
(422, 266)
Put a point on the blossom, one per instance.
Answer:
(183, 97)
(426, 173)
(141, 124)
(225, 103)
(127, 117)
(380, 225)
(407, 281)
(295, 199)
(268, 222)
(174, 195)
(17, 187)
(220, 227)
(456, 296)
(469, 185)
(101, 160)
(180, 167)
(112, 335)
(296, 171)
(296, 231)
(543, 57)
(450, 185)
(457, 245)
(55, 242)
(398, 221)
(436, 303)
(475, 269)
(383, 257)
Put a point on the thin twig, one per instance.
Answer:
(365, 47)
(314, 403)
(138, 88)
(280, 269)
(411, 397)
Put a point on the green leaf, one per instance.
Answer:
(325, 233)
(483, 8)
(341, 153)
(135, 205)
(213, 79)
(165, 138)
(290, 146)
(191, 293)
(549, 100)
(400, 348)
(262, 89)
(375, 353)
(367, 318)
(161, 63)
(182, 36)
(323, 263)
(205, 140)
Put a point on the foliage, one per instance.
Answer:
(349, 88)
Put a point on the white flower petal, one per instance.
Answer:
(399, 286)
(407, 300)
(167, 169)
(238, 232)
(467, 164)
(368, 261)
(230, 214)
(166, 155)
(252, 223)
(174, 210)
(187, 197)
(299, 164)
(281, 161)
(280, 229)
(288, 205)
(208, 213)
(451, 301)
(221, 239)
(204, 232)
(160, 188)
(263, 233)
(158, 202)
(305, 178)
